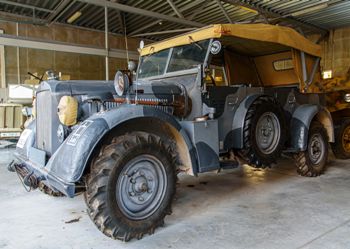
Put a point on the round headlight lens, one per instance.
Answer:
(215, 47)
(61, 133)
(121, 83)
(347, 97)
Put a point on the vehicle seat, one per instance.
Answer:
(216, 97)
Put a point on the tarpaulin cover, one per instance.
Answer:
(279, 35)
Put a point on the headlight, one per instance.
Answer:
(347, 97)
(67, 110)
(27, 111)
(121, 83)
(61, 133)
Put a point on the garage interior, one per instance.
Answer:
(238, 208)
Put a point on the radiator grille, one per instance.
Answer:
(43, 121)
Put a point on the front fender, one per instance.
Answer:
(69, 161)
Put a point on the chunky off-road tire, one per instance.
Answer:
(49, 191)
(312, 162)
(131, 185)
(263, 132)
(341, 146)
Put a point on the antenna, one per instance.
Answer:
(127, 53)
(126, 41)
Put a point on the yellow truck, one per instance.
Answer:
(337, 90)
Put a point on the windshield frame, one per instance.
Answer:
(176, 73)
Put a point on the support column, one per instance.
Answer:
(18, 65)
(106, 43)
(2, 64)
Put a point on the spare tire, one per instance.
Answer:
(263, 132)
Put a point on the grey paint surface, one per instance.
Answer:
(242, 208)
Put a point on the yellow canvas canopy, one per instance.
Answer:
(278, 37)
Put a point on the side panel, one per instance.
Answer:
(235, 137)
(204, 136)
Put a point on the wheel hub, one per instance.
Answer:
(316, 148)
(268, 132)
(141, 187)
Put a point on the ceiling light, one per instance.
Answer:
(308, 10)
(74, 17)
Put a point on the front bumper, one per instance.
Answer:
(33, 174)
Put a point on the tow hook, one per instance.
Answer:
(11, 166)
(27, 177)
(30, 180)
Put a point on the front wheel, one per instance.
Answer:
(341, 146)
(312, 161)
(131, 185)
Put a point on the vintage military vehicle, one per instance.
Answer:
(200, 102)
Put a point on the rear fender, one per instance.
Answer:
(301, 121)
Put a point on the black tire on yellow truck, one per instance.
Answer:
(341, 146)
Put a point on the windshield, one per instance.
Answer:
(182, 58)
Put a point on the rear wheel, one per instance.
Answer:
(264, 132)
(312, 161)
(131, 185)
(341, 146)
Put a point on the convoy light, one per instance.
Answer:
(121, 83)
(67, 110)
(347, 97)
(327, 74)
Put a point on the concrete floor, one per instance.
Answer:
(241, 208)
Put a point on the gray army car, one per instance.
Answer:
(200, 102)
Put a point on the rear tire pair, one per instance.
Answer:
(265, 134)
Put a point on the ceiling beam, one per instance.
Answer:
(176, 10)
(224, 11)
(25, 6)
(165, 32)
(275, 14)
(198, 10)
(138, 11)
(59, 11)
(186, 7)
(25, 42)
